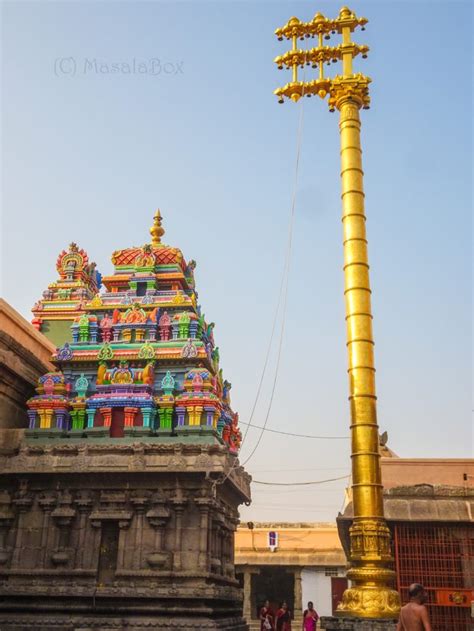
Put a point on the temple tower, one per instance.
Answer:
(119, 502)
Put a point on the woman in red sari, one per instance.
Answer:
(310, 618)
(266, 617)
(283, 618)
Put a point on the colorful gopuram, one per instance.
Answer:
(65, 299)
(141, 359)
(119, 503)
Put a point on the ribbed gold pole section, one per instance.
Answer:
(367, 487)
(371, 595)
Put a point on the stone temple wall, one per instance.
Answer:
(24, 356)
(119, 535)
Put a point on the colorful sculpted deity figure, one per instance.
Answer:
(81, 386)
(123, 374)
(184, 321)
(197, 382)
(179, 298)
(84, 328)
(96, 301)
(145, 258)
(226, 392)
(165, 327)
(210, 332)
(106, 328)
(168, 383)
(235, 435)
(135, 315)
(148, 375)
(215, 356)
(226, 433)
(70, 268)
(101, 371)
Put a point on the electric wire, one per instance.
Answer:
(306, 469)
(275, 431)
(342, 477)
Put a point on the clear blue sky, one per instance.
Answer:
(90, 156)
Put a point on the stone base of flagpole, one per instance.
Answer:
(333, 623)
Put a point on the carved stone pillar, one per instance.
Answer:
(247, 595)
(47, 502)
(6, 519)
(228, 566)
(140, 504)
(158, 516)
(63, 516)
(23, 503)
(298, 594)
(124, 525)
(83, 503)
(179, 506)
(204, 506)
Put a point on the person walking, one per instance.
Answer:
(414, 615)
(283, 618)
(310, 618)
(266, 617)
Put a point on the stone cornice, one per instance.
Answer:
(24, 333)
(127, 458)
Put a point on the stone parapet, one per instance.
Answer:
(333, 623)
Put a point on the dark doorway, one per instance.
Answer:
(338, 586)
(118, 419)
(141, 289)
(108, 552)
(274, 584)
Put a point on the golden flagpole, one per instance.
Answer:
(371, 594)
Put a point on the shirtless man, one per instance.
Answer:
(414, 616)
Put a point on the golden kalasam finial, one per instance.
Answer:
(156, 230)
(371, 594)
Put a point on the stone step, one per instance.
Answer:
(254, 625)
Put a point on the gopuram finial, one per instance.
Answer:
(156, 230)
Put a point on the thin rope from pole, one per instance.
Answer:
(283, 284)
(267, 357)
(286, 277)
